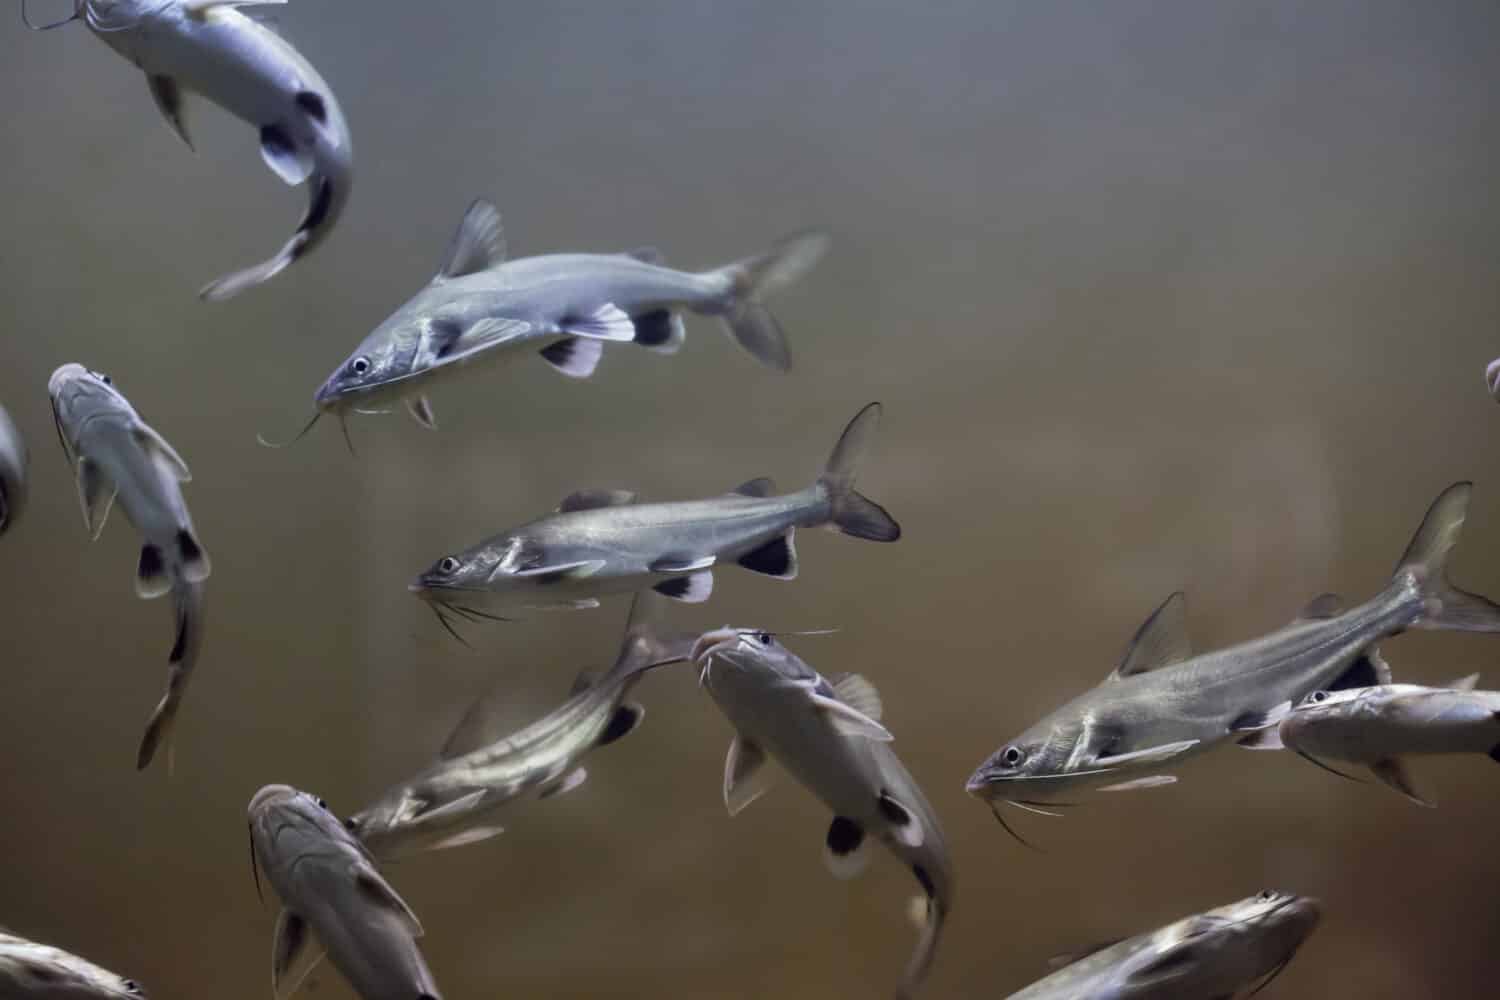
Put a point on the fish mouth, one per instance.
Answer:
(711, 644)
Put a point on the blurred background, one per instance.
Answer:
(1157, 296)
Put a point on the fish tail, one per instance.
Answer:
(1425, 564)
(928, 913)
(743, 310)
(184, 656)
(326, 197)
(852, 512)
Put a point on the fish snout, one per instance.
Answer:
(713, 642)
(1492, 377)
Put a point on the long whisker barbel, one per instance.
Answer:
(300, 434)
(26, 18)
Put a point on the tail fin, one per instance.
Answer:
(644, 646)
(1425, 563)
(928, 914)
(750, 280)
(321, 211)
(853, 513)
(180, 665)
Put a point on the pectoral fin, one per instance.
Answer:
(850, 721)
(96, 493)
(379, 892)
(1150, 755)
(681, 564)
(1392, 771)
(294, 953)
(421, 411)
(563, 785)
(156, 446)
(744, 774)
(455, 807)
(168, 98)
(857, 692)
(1153, 781)
(473, 836)
(558, 572)
(198, 8)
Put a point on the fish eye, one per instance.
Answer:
(448, 566)
(104, 378)
(1012, 756)
(359, 366)
(764, 638)
(1318, 697)
(351, 824)
(1266, 895)
(322, 805)
(132, 987)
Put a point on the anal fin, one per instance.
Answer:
(1392, 771)
(168, 98)
(692, 589)
(776, 558)
(844, 848)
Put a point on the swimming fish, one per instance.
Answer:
(602, 542)
(116, 453)
(1208, 956)
(1162, 704)
(482, 308)
(480, 770)
(31, 971)
(210, 47)
(334, 901)
(1492, 377)
(828, 734)
(1378, 726)
(13, 460)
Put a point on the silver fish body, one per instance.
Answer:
(215, 50)
(828, 736)
(454, 802)
(13, 461)
(334, 900)
(602, 542)
(482, 309)
(32, 971)
(1212, 954)
(118, 456)
(1162, 704)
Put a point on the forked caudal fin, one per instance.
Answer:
(852, 512)
(1425, 563)
(322, 209)
(750, 323)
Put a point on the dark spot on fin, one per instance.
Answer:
(677, 588)
(312, 105)
(625, 719)
(844, 836)
(1362, 673)
(179, 645)
(188, 548)
(760, 486)
(317, 212)
(894, 811)
(775, 558)
(576, 357)
(692, 589)
(151, 573)
(653, 329)
(1495, 751)
(925, 880)
(1250, 721)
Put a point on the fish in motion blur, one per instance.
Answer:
(13, 461)
(115, 453)
(480, 770)
(1162, 704)
(828, 734)
(214, 49)
(1379, 726)
(31, 971)
(602, 542)
(334, 902)
(482, 308)
(1208, 956)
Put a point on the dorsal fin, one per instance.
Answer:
(1160, 641)
(761, 486)
(647, 255)
(479, 243)
(1465, 683)
(1321, 607)
(858, 693)
(594, 499)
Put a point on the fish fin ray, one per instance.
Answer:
(1466, 683)
(852, 512)
(1161, 641)
(1392, 771)
(169, 101)
(745, 777)
(289, 161)
(96, 493)
(477, 245)
(608, 322)
(421, 411)
(564, 784)
(692, 589)
(160, 451)
(557, 572)
(1150, 781)
(845, 848)
(1425, 563)
(776, 558)
(1148, 755)
(151, 577)
(850, 721)
(857, 692)
(660, 330)
(295, 952)
(379, 891)
(750, 324)
(575, 357)
(453, 807)
(466, 837)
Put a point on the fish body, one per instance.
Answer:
(602, 542)
(1162, 704)
(455, 801)
(1208, 955)
(210, 47)
(118, 456)
(31, 971)
(828, 736)
(482, 309)
(1380, 726)
(13, 461)
(334, 901)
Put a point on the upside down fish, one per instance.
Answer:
(454, 801)
(334, 901)
(602, 542)
(1162, 704)
(115, 453)
(482, 308)
(1208, 955)
(31, 971)
(828, 734)
(13, 460)
(212, 48)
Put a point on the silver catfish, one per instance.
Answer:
(117, 454)
(334, 901)
(482, 308)
(828, 734)
(480, 771)
(601, 542)
(1162, 704)
(211, 48)
(1208, 955)
(31, 971)
(13, 461)
(1379, 726)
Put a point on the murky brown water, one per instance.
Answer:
(1156, 296)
